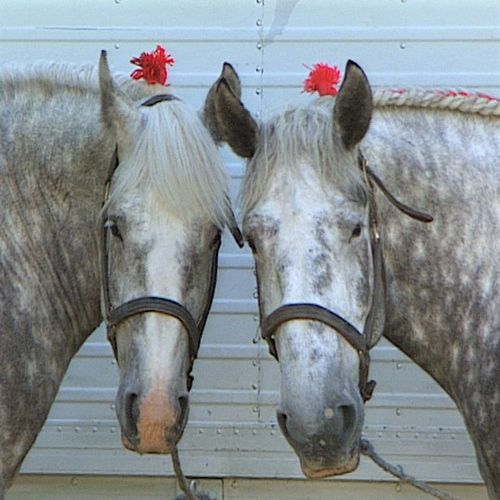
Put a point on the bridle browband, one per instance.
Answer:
(374, 323)
(113, 316)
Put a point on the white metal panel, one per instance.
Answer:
(232, 428)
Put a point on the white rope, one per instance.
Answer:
(456, 99)
(397, 471)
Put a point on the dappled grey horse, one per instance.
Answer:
(340, 261)
(64, 133)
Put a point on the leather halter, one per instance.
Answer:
(374, 323)
(115, 315)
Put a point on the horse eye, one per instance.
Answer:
(356, 232)
(116, 232)
(111, 225)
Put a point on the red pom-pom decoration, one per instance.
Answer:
(322, 79)
(153, 66)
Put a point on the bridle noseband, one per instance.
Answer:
(361, 342)
(113, 316)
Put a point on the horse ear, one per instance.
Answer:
(232, 78)
(353, 106)
(227, 118)
(117, 109)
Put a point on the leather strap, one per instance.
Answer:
(159, 98)
(159, 305)
(314, 312)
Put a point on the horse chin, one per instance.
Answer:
(164, 449)
(317, 471)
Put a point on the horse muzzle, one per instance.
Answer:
(154, 423)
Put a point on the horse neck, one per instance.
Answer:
(52, 189)
(443, 278)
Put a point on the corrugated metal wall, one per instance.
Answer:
(232, 428)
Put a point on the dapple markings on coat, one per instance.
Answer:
(305, 216)
(169, 202)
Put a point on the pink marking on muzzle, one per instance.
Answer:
(157, 421)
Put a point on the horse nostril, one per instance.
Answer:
(131, 411)
(282, 418)
(183, 404)
(348, 417)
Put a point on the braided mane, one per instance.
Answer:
(460, 100)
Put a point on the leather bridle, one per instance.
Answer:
(113, 316)
(361, 342)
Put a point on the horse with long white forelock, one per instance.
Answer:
(64, 133)
(340, 261)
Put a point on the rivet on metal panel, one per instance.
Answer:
(260, 1)
(254, 363)
(402, 45)
(257, 114)
(200, 431)
(255, 409)
(434, 436)
(74, 481)
(117, 1)
(117, 46)
(254, 386)
(254, 432)
(255, 317)
(379, 434)
(453, 436)
(255, 294)
(259, 69)
(258, 91)
(59, 429)
(219, 431)
(259, 45)
(397, 435)
(77, 429)
(398, 411)
(403, 1)
(234, 483)
(94, 429)
(258, 22)
(113, 406)
(399, 366)
(273, 432)
(236, 431)
(112, 430)
(416, 435)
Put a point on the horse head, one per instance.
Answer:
(309, 222)
(160, 237)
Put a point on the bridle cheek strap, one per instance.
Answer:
(114, 316)
(168, 307)
(315, 312)
(375, 319)
(160, 305)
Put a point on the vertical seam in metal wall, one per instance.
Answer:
(260, 69)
